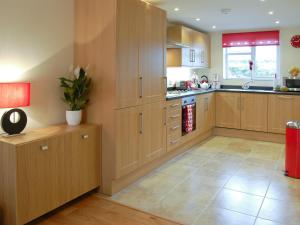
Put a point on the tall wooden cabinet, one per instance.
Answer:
(124, 44)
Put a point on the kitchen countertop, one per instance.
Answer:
(238, 90)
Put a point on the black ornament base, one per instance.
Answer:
(14, 127)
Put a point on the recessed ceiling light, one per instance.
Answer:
(214, 27)
(176, 9)
(262, 0)
(271, 13)
(277, 22)
(197, 19)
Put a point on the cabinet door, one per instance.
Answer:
(128, 81)
(254, 112)
(228, 113)
(205, 112)
(41, 169)
(281, 109)
(200, 114)
(129, 127)
(83, 150)
(152, 53)
(211, 111)
(153, 143)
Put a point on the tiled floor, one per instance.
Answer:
(225, 181)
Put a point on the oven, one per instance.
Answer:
(188, 115)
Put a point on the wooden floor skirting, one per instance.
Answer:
(251, 135)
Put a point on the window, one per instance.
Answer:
(260, 48)
(264, 58)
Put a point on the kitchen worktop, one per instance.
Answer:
(238, 90)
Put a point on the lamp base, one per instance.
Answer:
(10, 124)
(5, 135)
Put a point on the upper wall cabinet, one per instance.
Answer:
(187, 47)
(141, 40)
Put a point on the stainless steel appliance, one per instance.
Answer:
(188, 115)
(293, 84)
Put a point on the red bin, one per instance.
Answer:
(292, 149)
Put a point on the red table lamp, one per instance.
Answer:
(13, 95)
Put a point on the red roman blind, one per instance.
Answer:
(261, 38)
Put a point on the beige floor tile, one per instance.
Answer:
(260, 221)
(223, 166)
(195, 160)
(182, 213)
(138, 199)
(178, 170)
(157, 183)
(284, 188)
(256, 186)
(260, 163)
(219, 216)
(280, 211)
(255, 171)
(216, 180)
(239, 202)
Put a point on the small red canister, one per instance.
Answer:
(292, 149)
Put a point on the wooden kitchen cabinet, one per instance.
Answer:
(141, 136)
(281, 109)
(124, 44)
(141, 37)
(206, 108)
(45, 169)
(228, 110)
(254, 112)
(174, 124)
(153, 131)
(187, 47)
(129, 126)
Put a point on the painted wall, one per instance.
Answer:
(36, 45)
(289, 56)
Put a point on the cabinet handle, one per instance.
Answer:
(141, 123)
(85, 136)
(44, 147)
(174, 142)
(285, 97)
(165, 116)
(165, 85)
(175, 128)
(174, 106)
(175, 117)
(141, 86)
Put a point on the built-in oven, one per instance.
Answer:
(188, 115)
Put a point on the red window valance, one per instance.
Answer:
(261, 38)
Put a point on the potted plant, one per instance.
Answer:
(76, 89)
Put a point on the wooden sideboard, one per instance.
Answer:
(46, 168)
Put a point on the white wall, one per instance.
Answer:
(36, 45)
(289, 56)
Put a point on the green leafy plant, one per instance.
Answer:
(76, 89)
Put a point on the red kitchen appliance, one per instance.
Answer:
(292, 149)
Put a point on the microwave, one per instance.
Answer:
(293, 84)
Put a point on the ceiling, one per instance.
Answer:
(245, 14)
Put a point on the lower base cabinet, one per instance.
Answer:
(281, 109)
(49, 167)
(141, 136)
(254, 112)
(206, 112)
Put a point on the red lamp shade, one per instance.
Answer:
(13, 95)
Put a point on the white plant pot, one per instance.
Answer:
(74, 117)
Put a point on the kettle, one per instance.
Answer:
(204, 85)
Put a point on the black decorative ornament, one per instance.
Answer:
(14, 127)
